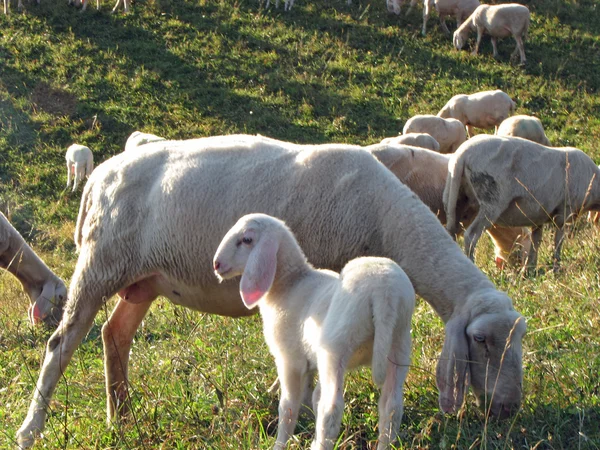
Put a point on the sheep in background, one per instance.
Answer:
(115, 8)
(137, 138)
(486, 109)
(526, 127)
(461, 9)
(425, 173)
(80, 163)
(7, 6)
(323, 320)
(422, 140)
(516, 182)
(46, 291)
(449, 133)
(499, 21)
(137, 235)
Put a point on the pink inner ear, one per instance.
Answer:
(259, 272)
(34, 314)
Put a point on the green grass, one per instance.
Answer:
(324, 72)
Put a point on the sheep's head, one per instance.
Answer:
(459, 40)
(47, 303)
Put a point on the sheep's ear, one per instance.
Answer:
(453, 366)
(260, 270)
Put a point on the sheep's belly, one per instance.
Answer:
(362, 356)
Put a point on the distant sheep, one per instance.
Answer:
(449, 133)
(7, 6)
(461, 9)
(486, 109)
(115, 8)
(516, 182)
(137, 138)
(80, 163)
(317, 319)
(422, 140)
(498, 21)
(526, 127)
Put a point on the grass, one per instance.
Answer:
(325, 72)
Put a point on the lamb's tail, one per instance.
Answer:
(451, 191)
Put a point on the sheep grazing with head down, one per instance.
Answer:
(449, 133)
(317, 319)
(526, 127)
(422, 140)
(461, 9)
(499, 21)
(80, 164)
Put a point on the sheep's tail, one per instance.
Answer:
(451, 191)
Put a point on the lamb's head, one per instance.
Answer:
(250, 249)
(47, 302)
(483, 349)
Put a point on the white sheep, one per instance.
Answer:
(526, 127)
(517, 182)
(425, 173)
(449, 133)
(317, 319)
(499, 21)
(461, 9)
(423, 140)
(137, 138)
(78, 3)
(46, 291)
(486, 109)
(150, 221)
(80, 164)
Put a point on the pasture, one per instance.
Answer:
(324, 72)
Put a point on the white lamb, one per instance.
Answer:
(317, 319)
(137, 138)
(80, 163)
(78, 3)
(517, 182)
(461, 9)
(499, 21)
(486, 109)
(422, 140)
(526, 127)
(449, 133)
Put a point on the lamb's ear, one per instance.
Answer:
(453, 365)
(260, 270)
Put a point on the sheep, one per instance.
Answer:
(461, 9)
(517, 182)
(486, 109)
(425, 173)
(498, 21)
(80, 163)
(422, 140)
(84, 4)
(526, 127)
(148, 220)
(137, 138)
(449, 133)
(319, 319)
(46, 291)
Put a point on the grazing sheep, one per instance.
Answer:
(80, 163)
(449, 133)
(425, 173)
(461, 9)
(422, 140)
(526, 127)
(317, 319)
(46, 291)
(486, 109)
(137, 138)
(149, 222)
(7, 6)
(516, 182)
(499, 21)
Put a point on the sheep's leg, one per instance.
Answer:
(20, 5)
(427, 5)
(443, 24)
(69, 170)
(470, 132)
(393, 6)
(411, 6)
(479, 36)
(494, 46)
(536, 239)
(83, 8)
(5, 7)
(292, 384)
(79, 174)
(482, 221)
(520, 48)
(559, 237)
(117, 336)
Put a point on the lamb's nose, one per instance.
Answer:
(217, 265)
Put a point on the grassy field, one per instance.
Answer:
(325, 72)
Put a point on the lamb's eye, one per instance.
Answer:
(247, 240)
(479, 338)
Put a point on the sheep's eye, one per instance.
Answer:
(247, 240)
(479, 338)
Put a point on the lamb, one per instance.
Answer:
(425, 173)
(517, 182)
(449, 133)
(461, 9)
(149, 221)
(422, 140)
(80, 163)
(526, 127)
(46, 291)
(486, 109)
(498, 21)
(137, 138)
(319, 319)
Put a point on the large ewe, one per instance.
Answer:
(317, 319)
(137, 138)
(499, 21)
(46, 291)
(461, 9)
(425, 173)
(516, 182)
(149, 222)
(449, 133)
(80, 163)
(422, 140)
(526, 127)
(486, 109)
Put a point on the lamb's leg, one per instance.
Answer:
(479, 36)
(494, 47)
(536, 239)
(331, 400)
(292, 383)
(79, 170)
(69, 170)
